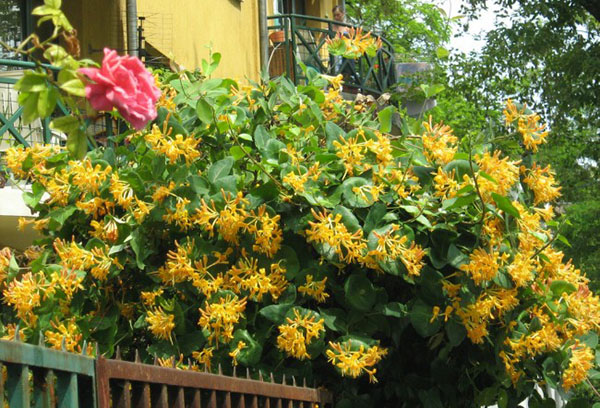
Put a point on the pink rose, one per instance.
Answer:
(123, 83)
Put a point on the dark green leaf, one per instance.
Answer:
(360, 293)
(456, 332)
(334, 319)
(348, 218)
(204, 111)
(220, 169)
(420, 315)
(250, 354)
(375, 217)
(394, 309)
(350, 197)
(61, 215)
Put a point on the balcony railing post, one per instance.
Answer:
(293, 50)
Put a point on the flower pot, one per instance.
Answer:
(277, 37)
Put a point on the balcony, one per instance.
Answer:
(302, 39)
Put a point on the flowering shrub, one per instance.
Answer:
(285, 229)
(354, 44)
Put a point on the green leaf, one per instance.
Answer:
(578, 403)
(348, 218)
(334, 319)
(456, 332)
(385, 119)
(432, 90)
(261, 137)
(350, 197)
(250, 354)
(590, 339)
(46, 102)
(237, 152)
(430, 399)
(138, 246)
(173, 125)
(333, 133)
(275, 313)
(77, 143)
(558, 287)
(65, 124)
(442, 53)
(420, 315)
(53, 3)
(220, 169)
(32, 199)
(456, 257)
(32, 82)
(289, 259)
(360, 293)
(55, 53)
(459, 202)
(204, 111)
(375, 217)
(486, 176)
(227, 184)
(44, 11)
(461, 167)
(505, 205)
(74, 87)
(563, 239)
(394, 309)
(273, 149)
(29, 102)
(59, 216)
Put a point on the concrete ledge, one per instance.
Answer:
(12, 207)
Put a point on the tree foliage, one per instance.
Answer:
(415, 28)
(545, 53)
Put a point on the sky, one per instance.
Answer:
(466, 42)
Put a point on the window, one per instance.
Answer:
(11, 29)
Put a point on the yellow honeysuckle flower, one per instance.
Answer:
(161, 323)
(298, 333)
(354, 363)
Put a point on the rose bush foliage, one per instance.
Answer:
(286, 230)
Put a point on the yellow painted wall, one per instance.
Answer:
(99, 24)
(180, 29)
(183, 28)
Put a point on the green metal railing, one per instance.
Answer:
(42, 377)
(10, 122)
(305, 41)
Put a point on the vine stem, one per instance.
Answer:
(595, 391)
(256, 163)
(547, 244)
(476, 183)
